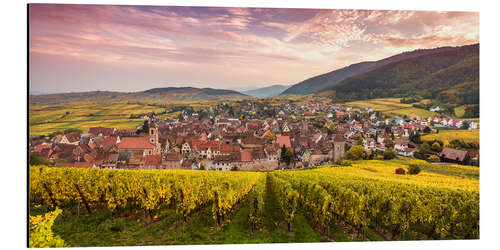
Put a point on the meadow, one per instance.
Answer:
(446, 136)
(321, 204)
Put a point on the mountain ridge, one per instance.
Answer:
(151, 95)
(265, 92)
(330, 79)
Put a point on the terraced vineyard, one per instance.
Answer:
(44, 120)
(364, 202)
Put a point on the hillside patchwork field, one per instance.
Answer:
(47, 119)
(392, 106)
(468, 136)
(365, 202)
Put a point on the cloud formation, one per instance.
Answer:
(221, 47)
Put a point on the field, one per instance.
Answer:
(364, 202)
(468, 136)
(392, 106)
(44, 120)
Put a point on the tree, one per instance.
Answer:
(144, 128)
(356, 153)
(389, 154)
(35, 160)
(466, 125)
(360, 141)
(388, 143)
(283, 155)
(331, 128)
(436, 147)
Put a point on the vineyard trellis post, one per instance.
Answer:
(443, 209)
(83, 198)
(217, 215)
(50, 194)
(149, 210)
(255, 205)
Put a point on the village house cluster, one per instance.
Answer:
(237, 138)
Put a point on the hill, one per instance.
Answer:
(265, 92)
(151, 95)
(450, 77)
(330, 79)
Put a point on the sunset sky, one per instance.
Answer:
(130, 48)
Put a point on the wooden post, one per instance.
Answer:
(149, 210)
(50, 194)
(217, 214)
(435, 223)
(83, 198)
(78, 210)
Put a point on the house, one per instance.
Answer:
(136, 144)
(153, 162)
(407, 152)
(172, 160)
(435, 109)
(99, 131)
(454, 156)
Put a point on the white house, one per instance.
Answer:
(435, 109)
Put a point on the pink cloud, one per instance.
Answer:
(253, 46)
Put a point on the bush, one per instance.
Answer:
(345, 163)
(400, 171)
(35, 160)
(433, 158)
(41, 234)
(356, 153)
(414, 169)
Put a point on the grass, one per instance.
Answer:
(446, 136)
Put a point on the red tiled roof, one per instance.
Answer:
(109, 141)
(103, 131)
(173, 157)
(453, 154)
(284, 140)
(338, 138)
(135, 143)
(246, 156)
(153, 160)
(73, 137)
(82, 164)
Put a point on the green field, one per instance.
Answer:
(392, 106)
(447, 136)
(132, 226)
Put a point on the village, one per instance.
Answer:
(252, 136)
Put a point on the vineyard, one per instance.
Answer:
(366, 201)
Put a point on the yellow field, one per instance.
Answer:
(440, 176)
(448, 135)
(44, 120)
(392, 106)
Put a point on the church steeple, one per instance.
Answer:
(153, 132)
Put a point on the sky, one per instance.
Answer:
(75, 48)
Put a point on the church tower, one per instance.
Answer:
(154, 137)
